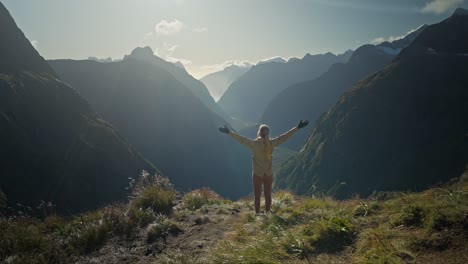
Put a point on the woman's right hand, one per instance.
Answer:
(224, 129)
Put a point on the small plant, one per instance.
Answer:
(145, 180)
(91, 238)
(248, 217)
(411, 215)
(155, 198)
(365, 209)
(141, 217)
(121, 224)
(282, 200)
(196, 199)
(162, 229)
(153, 192)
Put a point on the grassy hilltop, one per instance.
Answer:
(160, 225)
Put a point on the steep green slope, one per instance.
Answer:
(404, 127)
(54, 147)
(309, 100)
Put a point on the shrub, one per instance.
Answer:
(439, 221)
(154, 192)
(18, 236)
(156, 198)
(120, 223)
(91, 238)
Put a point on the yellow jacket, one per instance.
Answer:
(262, 150)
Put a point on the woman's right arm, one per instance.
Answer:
(243, 140)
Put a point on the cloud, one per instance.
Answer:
(393, 38)
(148, 35)
(440, 6)
(240, 63)
(166, 52)
(185, 62)
(378, 40)
(220, 66)
(34, 43)
(165, 27)
(170, 48)
(200, 29)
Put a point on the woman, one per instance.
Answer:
(262, 150)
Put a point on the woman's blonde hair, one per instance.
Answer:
(267, 147)
(262, 127)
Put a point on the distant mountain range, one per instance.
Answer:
(218, 82)
(247, 97)
(310, 99)
(54, 147)
(402, 128)
(163, 119)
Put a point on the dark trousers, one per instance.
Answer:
(266, 181)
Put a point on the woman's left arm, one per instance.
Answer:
(282, 138)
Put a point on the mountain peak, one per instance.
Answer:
(274, 59)
(448, 36)
(142, 53)
(460, 12)
(16, 51)
(179, 64)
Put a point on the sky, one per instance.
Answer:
(207, 35)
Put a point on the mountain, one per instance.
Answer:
(402, 128)
(108, 59)
(310, 99)
(180, 74)
(54, 147)
(247, 97)
(164, 120)
(275, 59)
(218, 82)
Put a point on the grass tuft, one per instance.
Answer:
(196, 199)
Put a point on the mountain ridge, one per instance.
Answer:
(247, 97)
(383, 133)
(55, 148)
